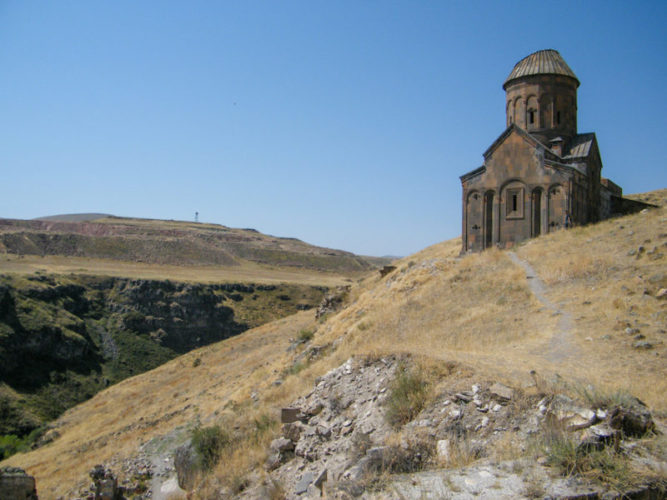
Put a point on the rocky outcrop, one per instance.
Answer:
(332, 302)
(337, 439)
(186, 463)
(15, 484)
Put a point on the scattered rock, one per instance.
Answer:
(635, 421)
(106, 484)
(501, 391)
(332, 302)
(444, 449)
(598, 436)
(281, 445)
(642, 344)
(304, 482)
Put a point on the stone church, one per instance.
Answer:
(540, 174)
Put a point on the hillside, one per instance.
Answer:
(65, 338)
(570, 323)
(160, 242)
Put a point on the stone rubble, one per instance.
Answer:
(335, 438)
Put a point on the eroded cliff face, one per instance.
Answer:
(62, 339)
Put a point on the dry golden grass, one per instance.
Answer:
(247, 272)
(593, 274)
(476, 311)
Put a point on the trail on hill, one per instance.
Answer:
(559, 347)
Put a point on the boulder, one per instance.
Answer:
(635, 421)
(292, 431)
(281, 445)
(501, 391)
(598, 436)
(186, 463)
(15, 483)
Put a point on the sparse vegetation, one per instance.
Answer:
(209, 443)
(601, 398)
(607, 465)
(408, 393)
(305, 335)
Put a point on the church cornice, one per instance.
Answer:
(473, 173)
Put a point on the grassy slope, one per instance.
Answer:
(172, 243)
(477, 310)
(248, 272)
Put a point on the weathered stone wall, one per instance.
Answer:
(553, 100)
(516, 197)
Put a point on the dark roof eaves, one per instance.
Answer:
(473, 173)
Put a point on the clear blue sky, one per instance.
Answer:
(344, 123)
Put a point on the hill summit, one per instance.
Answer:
(169, 242)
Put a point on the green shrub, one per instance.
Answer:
(606, 466)
(10, 444)
(407, 396)
(209, 443)
(297, 367)
(305, 335)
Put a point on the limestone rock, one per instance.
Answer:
(304, 482)
(501, 391)
(281, 445)
(444, 449)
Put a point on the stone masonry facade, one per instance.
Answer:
(540, 175)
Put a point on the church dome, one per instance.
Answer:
(542, 62)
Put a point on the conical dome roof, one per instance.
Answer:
(542, 62)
